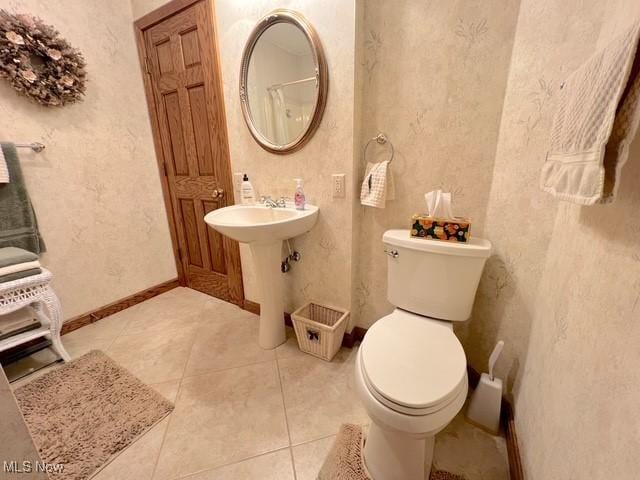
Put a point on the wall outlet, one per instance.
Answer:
(338, 185)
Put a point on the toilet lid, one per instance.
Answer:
(413, 361)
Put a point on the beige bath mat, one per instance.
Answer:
(344, 461)
(85, 413)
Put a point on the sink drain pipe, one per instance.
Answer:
(294, 256)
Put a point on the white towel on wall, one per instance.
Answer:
(378, 186)
(4, 170)
(596, 120)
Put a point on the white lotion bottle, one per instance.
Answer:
(247, 193)
(299, 198)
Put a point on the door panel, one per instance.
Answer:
(200, 122)
(190, 48)
(214, 240)
(190, 224)
(165, 60)
(177, 152)
(187, 100)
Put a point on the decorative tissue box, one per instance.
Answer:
(432, 228)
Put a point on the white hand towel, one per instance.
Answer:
(4, 170)
(19, 267)
(596, 120)
(378, 186)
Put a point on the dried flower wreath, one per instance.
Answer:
(38, 62)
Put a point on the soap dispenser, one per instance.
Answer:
(299, 197)
(247, 193)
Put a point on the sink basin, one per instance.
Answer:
(264, 229)
(257, 223)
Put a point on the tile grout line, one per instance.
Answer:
(155, 463)
(152, 331)
(235, 462)
(288, 447)
(324, 437)
(111, 342)
(286, 420)
(126, 332)
(123, 333)
(208, 372)
(166, 430)
(180, 384)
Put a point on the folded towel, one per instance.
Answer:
(18, 224)
(17, 275)
(13, 255)
(596, 120)
(19, 267)
(4, 170)
(378, 186)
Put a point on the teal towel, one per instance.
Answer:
(14, 255)
(18, 224)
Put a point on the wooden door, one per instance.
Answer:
(184, 91)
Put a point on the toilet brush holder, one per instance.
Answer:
(486, 401)
(484, 406)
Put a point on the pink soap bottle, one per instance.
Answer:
(299, 198)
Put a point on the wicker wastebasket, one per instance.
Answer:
(320, 329)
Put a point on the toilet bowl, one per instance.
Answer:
(411, 370)
(411, 378)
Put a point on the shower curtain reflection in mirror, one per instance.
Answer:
(282, 84)
(288, 109)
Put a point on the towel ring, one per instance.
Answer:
(381, 139)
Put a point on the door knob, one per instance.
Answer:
(218, 193)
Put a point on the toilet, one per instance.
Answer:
(411, 370)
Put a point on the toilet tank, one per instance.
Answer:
(434, 278)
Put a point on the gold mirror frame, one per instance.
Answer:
(322, 76)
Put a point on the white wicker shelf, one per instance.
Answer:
(24, 337)
(35, 292)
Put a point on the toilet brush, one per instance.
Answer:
(484, 406)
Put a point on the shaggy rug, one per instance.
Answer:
(344, 461)
(85, 413)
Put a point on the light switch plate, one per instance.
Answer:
(338, 185)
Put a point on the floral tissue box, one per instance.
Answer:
(432, 228)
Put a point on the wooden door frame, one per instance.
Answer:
(140, 25)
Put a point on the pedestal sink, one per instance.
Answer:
(264, 228)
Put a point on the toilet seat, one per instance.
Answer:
(413, 364)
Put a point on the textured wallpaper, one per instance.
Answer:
(95, 188)
(432, 75)
(466, 92)
(563, 289)
(324, 273)
(469, 108)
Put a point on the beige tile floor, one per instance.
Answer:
(242, 412)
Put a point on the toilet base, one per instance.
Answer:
(392, 455)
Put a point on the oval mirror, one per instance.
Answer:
(283, 82)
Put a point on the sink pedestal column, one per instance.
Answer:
(266, 258)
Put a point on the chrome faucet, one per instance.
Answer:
(269, 202)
